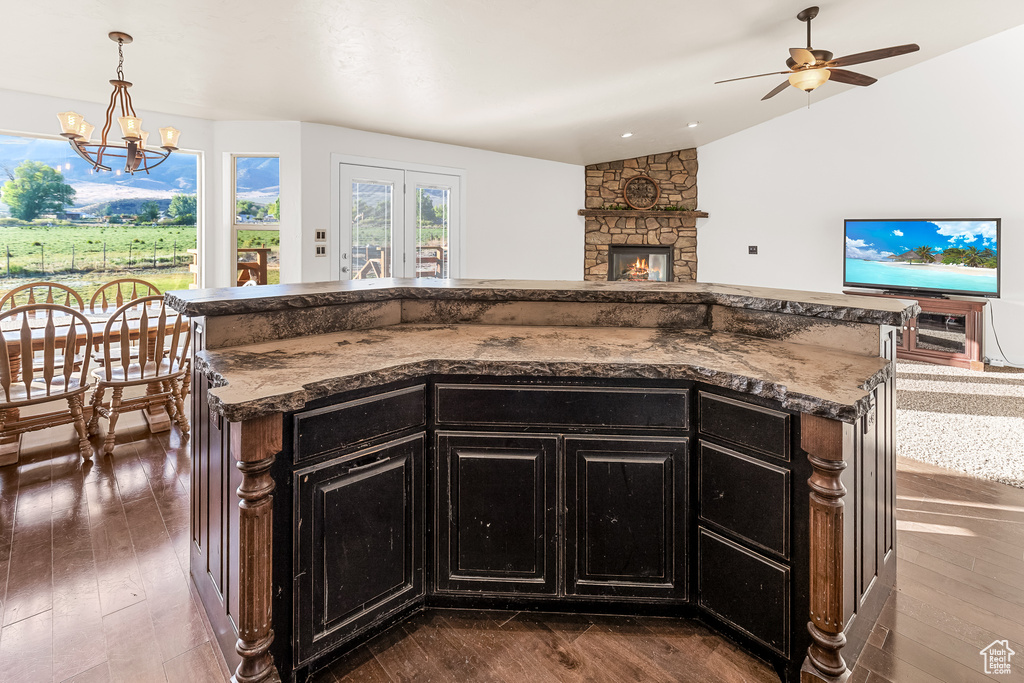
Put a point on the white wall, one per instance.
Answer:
(520, 217)
(942, 139)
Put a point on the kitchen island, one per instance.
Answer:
(364, 450)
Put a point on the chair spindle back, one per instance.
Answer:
(144, 341)
(116, 293)
(32, 293)
(57, 352)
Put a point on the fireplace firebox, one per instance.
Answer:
(640, 263)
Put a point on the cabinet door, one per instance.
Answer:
(626, 517)
(496, 513)
(359, 532)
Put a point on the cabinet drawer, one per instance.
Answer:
(746, 496)
(347, 424)
(745, 589)
(548, 406)
(761, 429)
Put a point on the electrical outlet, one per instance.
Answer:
(321, 236)
(321, 250)
(751, 250)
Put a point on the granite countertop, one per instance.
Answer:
(280, 376)
(238, 300)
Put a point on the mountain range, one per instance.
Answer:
(258, 177)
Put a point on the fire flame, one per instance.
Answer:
(638, 270)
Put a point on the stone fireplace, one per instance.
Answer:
(671, 222)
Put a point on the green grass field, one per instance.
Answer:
(38, 251)
(74, 255)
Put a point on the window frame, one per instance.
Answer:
(235, 225)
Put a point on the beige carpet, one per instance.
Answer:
(971, 421)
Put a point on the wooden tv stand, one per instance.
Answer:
(948, 331)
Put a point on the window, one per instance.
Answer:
(256, 222)
(61, 221)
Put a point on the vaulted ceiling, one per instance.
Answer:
(553, 79)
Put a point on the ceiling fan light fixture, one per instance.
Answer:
(808, 79)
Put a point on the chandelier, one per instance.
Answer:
(133, 148)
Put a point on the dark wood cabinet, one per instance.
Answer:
(513, 492)
(745, 589)
(746, 497)
(496, 513)
(359, 542)
(750, 503)
(626, 517)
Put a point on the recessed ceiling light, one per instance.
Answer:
(693, 124)
(627, 135)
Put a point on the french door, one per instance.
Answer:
(397, 223)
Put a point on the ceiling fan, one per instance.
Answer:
(809, 68)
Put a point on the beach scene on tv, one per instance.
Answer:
(955, 256)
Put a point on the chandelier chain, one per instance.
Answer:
(120, 59)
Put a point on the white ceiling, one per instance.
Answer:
(553, 79)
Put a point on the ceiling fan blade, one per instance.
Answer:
(779, 88)
(801, 56)
(851, 77)
(770, 73)
(872, 55)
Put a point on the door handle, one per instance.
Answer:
(367, 465)
(344, 269)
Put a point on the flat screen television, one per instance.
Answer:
(924, 256)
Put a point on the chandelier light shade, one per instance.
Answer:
(132, 147)
(169, 137)
(808, 79)
(131, 128)
(70, 122)
(85, 130)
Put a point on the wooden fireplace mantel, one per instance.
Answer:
(639, 213)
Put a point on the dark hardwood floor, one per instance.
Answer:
(94, 566)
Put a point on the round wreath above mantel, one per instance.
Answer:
(641, 192)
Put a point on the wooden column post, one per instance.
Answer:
(823, 441)
(254, 444)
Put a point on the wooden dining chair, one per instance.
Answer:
(116, 293)
(40, 365)
(42, 293)
(144, 343)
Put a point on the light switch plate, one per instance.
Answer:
(321, 250)
(321, 236)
